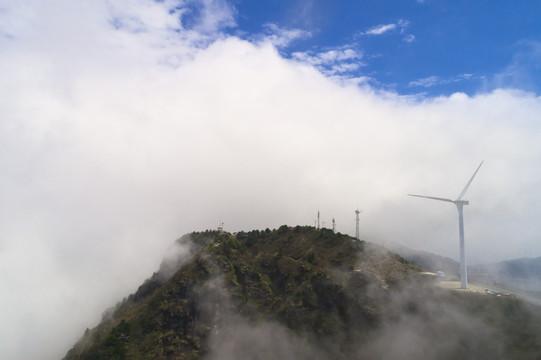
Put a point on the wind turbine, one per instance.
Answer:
(459, 205)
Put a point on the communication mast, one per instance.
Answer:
(357, 235)
(333, 225)
(318, 219)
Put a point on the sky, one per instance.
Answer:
(126, 124)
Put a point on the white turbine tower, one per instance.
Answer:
(459, 204)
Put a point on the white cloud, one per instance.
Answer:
(215, 15)
(345, 68)
(327, 57)
(107, 156)
(403, 24)
(282, 37)
(523, 69)
(380, 29)
(409, 38)
(436, 80)
(426, 82)
(332, 62)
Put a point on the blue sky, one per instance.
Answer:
(435, 47)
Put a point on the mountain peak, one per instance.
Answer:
(294, 292)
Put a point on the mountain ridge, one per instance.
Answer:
(317, 294)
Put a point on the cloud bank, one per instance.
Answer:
(125, 125)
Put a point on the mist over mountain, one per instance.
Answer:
(525, 268)
(427, 260)
(517, 274)
(521, 275)
(304, 293)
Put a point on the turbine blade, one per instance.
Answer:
(469, 182)
(432, 197)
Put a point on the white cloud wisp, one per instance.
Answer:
(381, 29)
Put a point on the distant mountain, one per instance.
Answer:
(521, 275)
(304, 293)
(518, 274)
(426, 260)
(525, 268)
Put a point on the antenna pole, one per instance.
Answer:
(357, 235)
(318, 219)
(333, 226)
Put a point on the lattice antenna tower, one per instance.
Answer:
(333, 226)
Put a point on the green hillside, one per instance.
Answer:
(302, 293)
